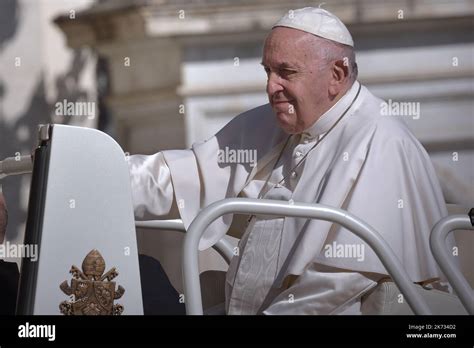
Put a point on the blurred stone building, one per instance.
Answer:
(172, 72)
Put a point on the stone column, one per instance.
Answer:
(144, 74)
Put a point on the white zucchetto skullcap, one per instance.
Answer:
(318, 22)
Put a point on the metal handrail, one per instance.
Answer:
(223, 246)
(172, 225)
(438, 248)
(192, 289)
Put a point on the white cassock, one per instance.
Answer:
(369, 164)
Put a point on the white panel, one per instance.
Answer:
(89, 167)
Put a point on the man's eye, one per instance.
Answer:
(287, 72)
(267, 70)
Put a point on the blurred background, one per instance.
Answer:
(162, 74)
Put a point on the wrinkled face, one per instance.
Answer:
(297, 84)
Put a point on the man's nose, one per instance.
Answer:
(273, 85)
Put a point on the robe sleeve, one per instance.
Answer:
(179, 183)
(152, 190)
(203, 174)
(322, 292)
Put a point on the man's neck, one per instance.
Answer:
(332, 113)
(334, 99)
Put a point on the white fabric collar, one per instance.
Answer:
(325, 122)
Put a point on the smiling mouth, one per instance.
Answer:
(282, 102)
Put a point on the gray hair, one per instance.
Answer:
(330, 51)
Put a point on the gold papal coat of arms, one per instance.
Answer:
(94, 292)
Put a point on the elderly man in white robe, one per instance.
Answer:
(321, 139)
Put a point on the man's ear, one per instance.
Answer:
(339, 75)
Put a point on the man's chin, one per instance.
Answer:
(284, 122)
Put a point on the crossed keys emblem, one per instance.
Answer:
(94, 292)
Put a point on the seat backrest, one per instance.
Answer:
(80, 201)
